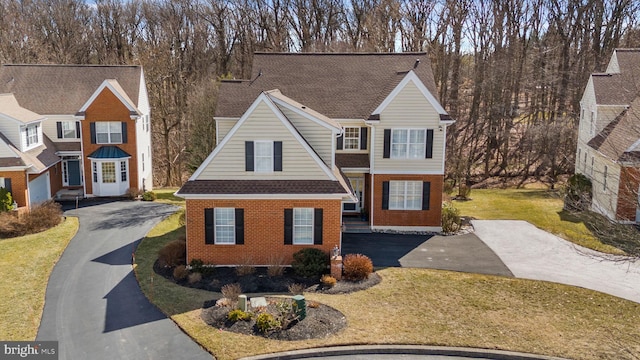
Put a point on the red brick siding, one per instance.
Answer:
(431, 217)
(18, 186)
(264, 230)
(55, 176)
(107, 107)
(628, 194)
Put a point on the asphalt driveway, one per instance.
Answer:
(94, 306)
(464, 253)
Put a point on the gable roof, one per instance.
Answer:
(338, 85)
(9, 106)
(114, 86)
(64, 89)
(619, 139)
(39, 158)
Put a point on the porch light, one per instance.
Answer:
(336, 251)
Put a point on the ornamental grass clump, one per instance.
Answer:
(356, 267)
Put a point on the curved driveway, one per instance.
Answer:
(531, 253)
(94, 306)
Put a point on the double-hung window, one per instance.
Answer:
(123, 171)
(109, 132)
(263, 156)
(108, 172)
(405, 195)
(303, 226)
(225, 225)
(351, 138)
(32, 135)
(408, 143)
(68, 130)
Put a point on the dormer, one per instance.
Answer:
(20, 126)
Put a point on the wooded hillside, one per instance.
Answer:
(510, 72)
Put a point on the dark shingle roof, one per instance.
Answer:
(618, 140)
(337, 85)
(63, 89)
(196, 187)
(352, 160)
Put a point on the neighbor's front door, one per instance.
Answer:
(73, 172)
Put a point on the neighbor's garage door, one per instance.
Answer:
(39, 189)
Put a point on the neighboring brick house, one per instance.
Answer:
(73, 130)
(608, 150)
(310, 138)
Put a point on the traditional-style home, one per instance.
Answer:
(309, 140)
(73, 131)
(608, 150)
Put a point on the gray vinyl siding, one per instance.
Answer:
(50, 129)
(11, 130)
(604, 200)
(316, 135)
(409, 109)
(224, 126)
(262, 124)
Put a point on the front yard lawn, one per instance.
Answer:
(26, 264)
(542, 208)
(430, 307)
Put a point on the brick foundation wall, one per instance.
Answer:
(107, 107)
(18, 186)
(431, 217)
(263, 230)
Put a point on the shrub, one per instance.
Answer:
(356, 267)
(198, 265)
(328, 280)
(41, 217)
(310, 262)
(10, 225)
(231, 292)
(133, 193)
(174, 253)
(451, 221)
(195, 277)
(276, 265)
(180, 272)
(6, 201)
(149, 196)
(296, 289)
(578, 193)
(448, 186)
(265, 322)
(238, 315)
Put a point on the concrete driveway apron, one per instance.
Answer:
(531, 253)
(94, 306)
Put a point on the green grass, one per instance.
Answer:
(542, 208)
(26, 263)
(429, 307)
(165, 195)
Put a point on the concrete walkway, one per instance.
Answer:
(94, 307)
(531, 253)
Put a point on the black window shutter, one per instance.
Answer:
(317, 226)
(277, 156)
(209, 229)
(248, 155)
(363, 138)
(385, 195)
(426, 194)
(387, 144)
(7, 185)
(288, 226)
(239, 226)
(124, 132)
(78, 129)
(429, 150)
(92, 128)
(340, 143)
(59, 128)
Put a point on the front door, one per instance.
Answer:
(73, 169)
(357, 183)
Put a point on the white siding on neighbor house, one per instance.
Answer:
(604, 201)
(143, 138)
(613, 67)
(318, 136)
(223, 127)
(355, 123)
(262, 124)
(587, 105)
(23, 137)
(409, 109)
(50, 127)
(6, 151)
(605, 115)
(11, 130)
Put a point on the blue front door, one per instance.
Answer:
(73, 169)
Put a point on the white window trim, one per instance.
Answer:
(408, 144)
(344, 138)
(255, 156)
(297, 241)
(216, 226)
(71, 129)
(405, 187)
(109, 133)
(29, 143)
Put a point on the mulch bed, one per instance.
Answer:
(321, 320)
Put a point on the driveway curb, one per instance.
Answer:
(471, 353)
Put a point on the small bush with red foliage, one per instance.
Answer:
(41, 217)
(356, 267)
(174, 253)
